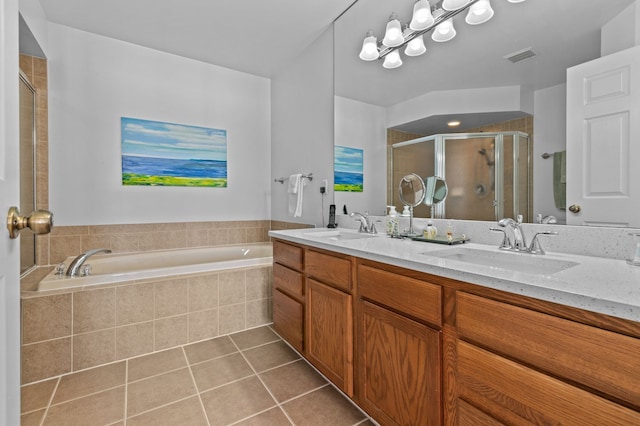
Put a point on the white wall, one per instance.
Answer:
(93, 81)
(549, 134)
(302, 130)
(35, 18)
(622, 32)
(363, 126)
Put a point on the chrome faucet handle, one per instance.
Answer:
(60, 268)
(372, 229)
(535, 247)
(506, 244)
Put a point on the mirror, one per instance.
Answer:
(457, 79)
(412, 192)
(436, 191)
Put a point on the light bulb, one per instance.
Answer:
(369, 50)
(415, 47)
(393, 34)
(392, 60)
(422, 17)
(444, 31)
(479, 13)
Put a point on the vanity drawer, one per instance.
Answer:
(288, 281)
(287, 254)
(288, 317)
(410, 296)
(515, 394)
(597, 358)
(332, 270)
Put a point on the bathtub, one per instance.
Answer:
(122, 267)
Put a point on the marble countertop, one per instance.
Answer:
(607, 286)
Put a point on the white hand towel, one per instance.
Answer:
(295, 195)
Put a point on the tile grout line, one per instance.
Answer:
(263, 384)
(195, 385)
(126, 391)
(55, 389)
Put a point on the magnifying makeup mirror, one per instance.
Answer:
(412, 192)
(436, 192)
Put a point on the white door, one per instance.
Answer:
(603, 141)
(9, 196)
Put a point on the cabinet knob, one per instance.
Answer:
(574, 208)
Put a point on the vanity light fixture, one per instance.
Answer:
(425, 18)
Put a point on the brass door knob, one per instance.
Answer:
(40, 222)
(574, 208)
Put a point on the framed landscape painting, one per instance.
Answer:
(348, 169)
(155, 153)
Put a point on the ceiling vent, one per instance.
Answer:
(520, 55)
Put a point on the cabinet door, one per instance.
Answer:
(329, 333)
(288, 318)
(399, 368)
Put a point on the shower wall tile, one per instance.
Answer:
(93, 349)
(94, 310)
(45, 318)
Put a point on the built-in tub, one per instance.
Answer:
(121, 267)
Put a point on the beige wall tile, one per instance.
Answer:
(134, 303)
(121, 229)
(237, 236)
(256, 235)
(197, 238)
(133, 340)
(231, 318)
(123, 243)
(258, 283)
(259, 313)
(231, 287)
(42, 249)
(203, 292)
(170, 332)
(162, 240)
(46, 359)
(37, 395)
(218, 237)
(179, 226)
(102, 408)
(26, 66)
(93, 349)
(90, 242)
(62, 247)
(171, 297)
(94, 310)
(58, 231)
(46, 317)
(203, 325)
(159, 390)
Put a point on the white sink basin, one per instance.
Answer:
(339, 235)
(517, 262)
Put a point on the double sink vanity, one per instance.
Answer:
(430, 334)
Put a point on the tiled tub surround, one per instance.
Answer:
(65, 331)
(246, 378)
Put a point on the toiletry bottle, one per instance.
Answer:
(449, 231)
(430, 231)
(406, 212)
(392, 221)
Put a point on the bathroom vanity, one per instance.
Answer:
(419, 334)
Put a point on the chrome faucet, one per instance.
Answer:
(365, 223)
(77, 263)
(514, 238)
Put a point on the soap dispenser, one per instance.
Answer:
(406, 212)
(392, 221)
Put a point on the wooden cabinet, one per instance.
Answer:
(329, 333)
(398, 360)
(518, 365)
(288, 293)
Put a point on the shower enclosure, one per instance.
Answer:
(488, 174)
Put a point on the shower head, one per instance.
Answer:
(482, 151)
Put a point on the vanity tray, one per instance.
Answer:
(443, 240)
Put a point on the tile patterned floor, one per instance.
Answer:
(247, 378)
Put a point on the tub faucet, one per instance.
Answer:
(76, 263)
(365, 223)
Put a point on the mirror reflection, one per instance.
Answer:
(411, 192)
(477, 86)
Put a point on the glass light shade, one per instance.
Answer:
(392, 60)
(415, 47)
(422, 17)
(444, 31)
(516, 1)
(479, 13)
(454, 4)
(369, 50)
(393, 35)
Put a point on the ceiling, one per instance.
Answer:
(253, 36)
